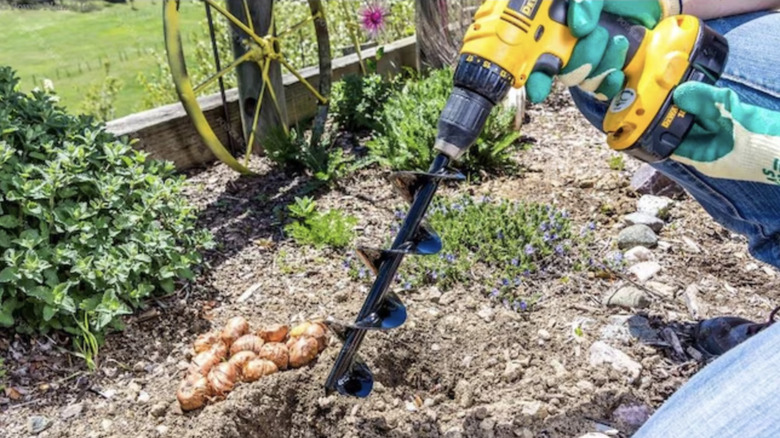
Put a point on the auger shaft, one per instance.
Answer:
(386, 274)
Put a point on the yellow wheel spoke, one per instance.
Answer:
(298, 26)
(256, 117)
(232, 18)
(248, 16)
(303, 80)
(222, 72)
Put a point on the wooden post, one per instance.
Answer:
(250, 79)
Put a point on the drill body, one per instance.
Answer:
(510, 39)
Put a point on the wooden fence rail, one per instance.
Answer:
(167, 133)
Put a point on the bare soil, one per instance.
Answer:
(461, 365)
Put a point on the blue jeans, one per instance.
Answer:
(738, 395)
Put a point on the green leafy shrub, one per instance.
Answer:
(409, 121)
(89, 227)
(500, 247)
(332, 228)
(325, 161)
(356, 101)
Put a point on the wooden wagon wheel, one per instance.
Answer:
(261, 50)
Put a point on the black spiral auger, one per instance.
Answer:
(383, 309)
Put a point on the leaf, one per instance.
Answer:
(6, 312)
(9, 275)
(48, 312)
(168, 285)
(9, 221)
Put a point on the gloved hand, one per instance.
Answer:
(597, 60)
(730, 139)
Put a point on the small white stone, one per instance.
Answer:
(144, 397)
(544, 335)
(691, 246)
(162, 430)
(645, 270)
(602, 353)
(639, 254)
(486, 313)
(657, 206)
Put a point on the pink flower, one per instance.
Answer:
(373, 17)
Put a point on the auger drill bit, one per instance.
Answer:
(383, 309)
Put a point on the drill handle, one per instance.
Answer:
(634, 33)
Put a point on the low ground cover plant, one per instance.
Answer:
(501, 247)
(319, 229)
(89, 227)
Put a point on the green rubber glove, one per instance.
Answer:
(597, 60)
(730, 139)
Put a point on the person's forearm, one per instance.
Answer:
(707, 9)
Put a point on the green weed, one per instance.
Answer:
(311, 227)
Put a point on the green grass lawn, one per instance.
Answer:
(71, 48)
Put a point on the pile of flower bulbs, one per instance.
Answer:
(237, 355)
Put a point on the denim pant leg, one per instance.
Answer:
(737, 394)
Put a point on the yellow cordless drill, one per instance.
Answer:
(510, 39)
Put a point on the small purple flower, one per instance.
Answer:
(526, 273)
(373, 18)
(544, 226)
(345, 264)
(518, 281)
(546, 237)
(506, 303)
(565, 214)
(407, 285)
(529, 249)
(505, 282)
(399, 214)
(457, 207)
(523, 306)
(434, 275)
(450, 258)
(494, 293)
(362, 273)
(515, 306)
(617, 257)
(500, 235)
(591, 226)
(515, 262)
(559, 249)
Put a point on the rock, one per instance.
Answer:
(692, 302)
(653, 222)
(532, 408)
(410, 406)
(544, 335)
(434, 294)
(486, 313)
(71, 411)
(645, 270)
(637, 235)
(524, 432)
(512, 371)
(37, 424)
(663, 289)
(557, 366)
(691, 246)
(464, 394)
(648, 181)
(617, 332)
(159, 409)
(326, 402)
(481, 413)
(628, 297)
(488, 424)
(455, 432)
(144, 397)
(638, 254)
(657, 206)
(162, 430)
(630, 417)
(594, 435)
(139, 366)
(602, 353)
(106, 425)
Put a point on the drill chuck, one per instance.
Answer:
(479, 86)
